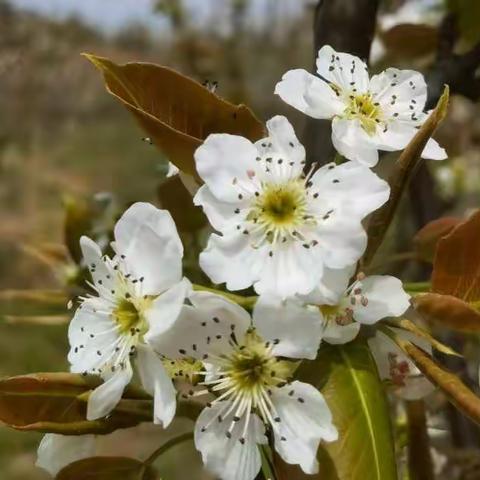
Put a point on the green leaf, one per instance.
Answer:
(405, 168)
(56, 403)
(107, 468)
(176, 112)
(347, 377)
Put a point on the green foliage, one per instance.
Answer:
(347, 377)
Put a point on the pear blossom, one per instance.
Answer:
(247, 377)
(368, 114)
(339, 308)
(397, 368)
(138, 294)
(278, 228)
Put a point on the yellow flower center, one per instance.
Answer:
(251, 366)
(365, 109)
(280, 208)
(129, 317)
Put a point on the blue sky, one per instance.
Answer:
(114, 14)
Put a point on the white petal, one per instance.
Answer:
(396, 137)
(204, 328)
(332, 286)
(157, 383)
(106, 396)
(406, 85)
(336, 334)
(227, 458)
(99, 270)
(411, 384)
(433, 151)
(165, 310)
(305, 420)
(297, 328)
(148, 239)
(309, 94)
(221, 215)
(342, 241)
(342, 69)
(231, 260)
(291, 269)
(57, 451)
(386, 298)
(283, 138)
(351, 141)
(88, 333)
(223, 161)
(352, 188)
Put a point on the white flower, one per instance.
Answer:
(140, 293)
(339, 309)
(368, 114)
(279, 228)
(249, 382)
(365, 301)
(393, 365)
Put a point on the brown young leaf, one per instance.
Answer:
(426, 239)
(177, 200)
(176, 112)
(403, 171)
(56, 403)
(107, 468)
(454, 389)
(456, 268)
(448, 311)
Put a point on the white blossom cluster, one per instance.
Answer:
(295, 237)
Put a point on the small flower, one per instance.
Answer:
(368, 114)
(279, 227)
(394, 366)
(365, 301)
(339, 309)
(139, 294)
(249, 382)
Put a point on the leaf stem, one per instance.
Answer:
(167, 446)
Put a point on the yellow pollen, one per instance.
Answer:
(252, 366)
(366, 110)
(128, 317)
(280, 208)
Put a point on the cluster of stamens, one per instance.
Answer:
(243, 383)
(123, 303)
